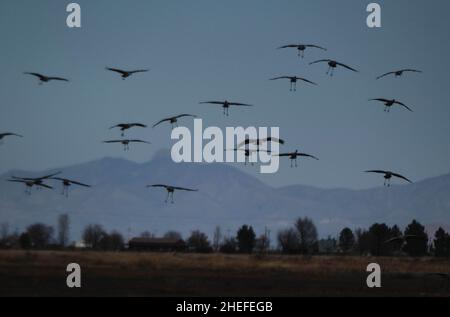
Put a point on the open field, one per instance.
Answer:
(43, 273)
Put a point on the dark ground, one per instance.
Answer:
(43, 273)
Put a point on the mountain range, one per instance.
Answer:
(227, 197)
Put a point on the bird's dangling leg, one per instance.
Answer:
(228, 112)
(295, 86)
(172, 198)
(167, 198)
(67, 192)
(122, 134)
(303, 54)
(332, 72)
(296, 163)
(328, 70)
(290, 88)
(292, 162)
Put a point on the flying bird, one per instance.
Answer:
(30, 182)
(293, 80)
(301, 48)
(226, 105)
(125, 73)
(404, 239)
(171, 190)
(126, 143)
(174, 120)
(399, 73)
(127, 126)
(294, 155)
(391, 102)
(332, 65)
(67, 183)
(248, 153)
(45, 79)
(7, 134)
(388, 176)
(259, 142)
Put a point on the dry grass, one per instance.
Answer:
(162, 274)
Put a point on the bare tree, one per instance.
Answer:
(63, 230)
(217, 238)
(93, 236)
(307, 234)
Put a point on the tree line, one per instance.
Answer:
(301, 238)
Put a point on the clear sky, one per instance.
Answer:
(202, 50)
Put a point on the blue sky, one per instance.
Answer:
(202, 50)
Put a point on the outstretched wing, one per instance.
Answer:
(307, 155)
(412, 70)
(44, 185)
(281, 77)
(185, 189)
(321, 61)
(403, 105)
(377, 172)
(384, 75)
(272, 139)
(245, 142)
(284, 154)
(41, 77)
(401, 176)
(57, 78)
(239, 104)
(212, 102)
(289, 46)
(138, 125)
(157, 185)
(346, 66)
(161, 121)
(138, 71)
(47, 176)
(113, 141)
(10, 134)
(186, 115)
(316, 46)
(139, 141)
(306, 80)
(16, 180)
(122, 72)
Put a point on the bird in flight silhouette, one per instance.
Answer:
(127, 126)
(126, 73)
(259, 142)
(67, 183)
(226, 105)
(294, 155)
(248, 153)
(174, 120)
(126, 143)
(404, 239)
(7, 134)
(30, 182)
(293, 80)
(388, 176)
(46, 79)
(399, 73)
(301, 48)
(391, 102)
(332, 65)
(171, 189)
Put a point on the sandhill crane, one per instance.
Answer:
(174, 120)
(301, 48)
(7, 134)
(226, 105)
(248, 153)
(171, 190)
(30, 182)
(126, 73)
(404, 239)
(294, 155)
(259, 142)
(45, 79)
(126, 143)
(388, 176)
(126, 126)
(399, 73)
(67, 183)
(332, 65)
(293, 80)
(391, 102)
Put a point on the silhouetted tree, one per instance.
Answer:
(229, 245)
(395, 247)
(198, 242)
(377, 236)
(173, 235)
(307, 235)
(40, 235)
(246, 239)
(328, 245)
(418, 246)
(111, 242)
(63, 230)
(441, 243)
(288, 241)
(25, 241)
(346, 240)
(93, 235)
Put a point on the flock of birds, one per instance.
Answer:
(39, 182)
